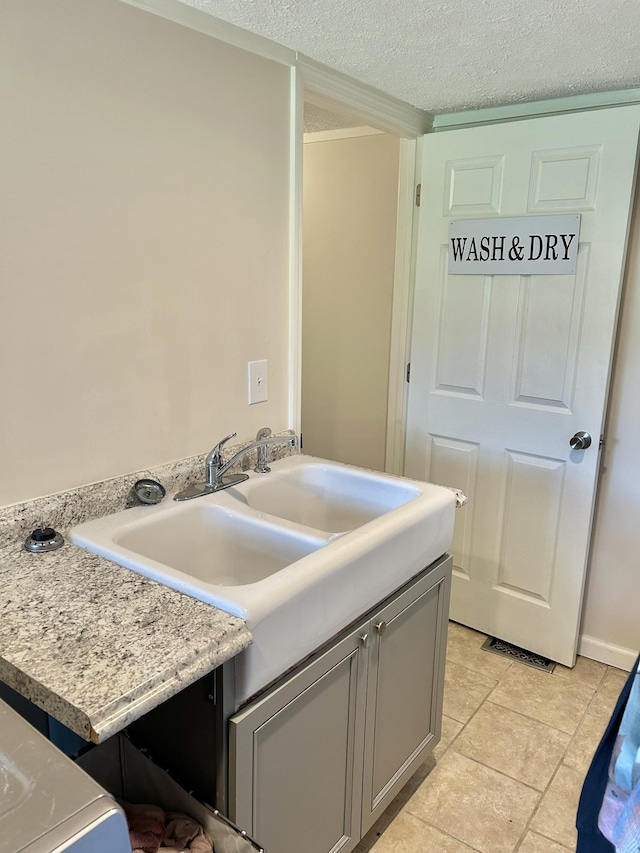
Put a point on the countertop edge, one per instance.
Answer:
(97, 727)
(123, 712)
(55, 705)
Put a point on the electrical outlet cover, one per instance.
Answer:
(258, 382)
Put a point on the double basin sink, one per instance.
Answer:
(299, 553)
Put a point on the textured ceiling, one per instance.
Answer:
(447, 55)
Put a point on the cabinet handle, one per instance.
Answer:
(381, 627)
(364, 639)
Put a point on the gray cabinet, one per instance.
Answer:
(404, 688)
(315, 761)
(295, 756)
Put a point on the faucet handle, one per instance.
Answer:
(263, 432)
(220, 444)
(215, 457)
(214, 460)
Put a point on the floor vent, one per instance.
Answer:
(500, 647)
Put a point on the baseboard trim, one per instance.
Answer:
(612, 655)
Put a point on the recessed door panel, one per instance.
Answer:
(530, 526)
(302, 745)
(550, 310)
(288, 760)
(473, 185)
(462, 342)
(566, 179)
(404, 688)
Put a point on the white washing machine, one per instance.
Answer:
(47, 803)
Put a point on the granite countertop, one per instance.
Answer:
(96, 645)
(93, 644)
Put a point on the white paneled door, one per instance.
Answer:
(506, 369)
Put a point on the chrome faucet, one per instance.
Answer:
(216, 471)
(214, 466)
(217, 477)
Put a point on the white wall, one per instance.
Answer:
(350, 211)
(611, 615)
(144, 242)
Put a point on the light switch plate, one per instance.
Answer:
(258, 382)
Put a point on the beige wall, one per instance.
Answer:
(612, 605)
(350, 208)
(144, 242)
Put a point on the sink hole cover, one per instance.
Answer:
(501, 647)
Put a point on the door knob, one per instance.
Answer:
(580, 441)
(381, 627)
(364, 639)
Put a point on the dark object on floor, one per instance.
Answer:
(501, 647)
(590, 839)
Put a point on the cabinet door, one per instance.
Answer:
(296, 756)
(405, 685)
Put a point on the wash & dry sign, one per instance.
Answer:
(523, 245)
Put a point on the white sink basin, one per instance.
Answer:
(196, 547)
(299, 553)
(326, 496)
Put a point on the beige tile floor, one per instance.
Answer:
(507, 774)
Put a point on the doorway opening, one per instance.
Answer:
(350, 215)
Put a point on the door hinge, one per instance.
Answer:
(418, 194)
(301, 442)
(409, 372)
